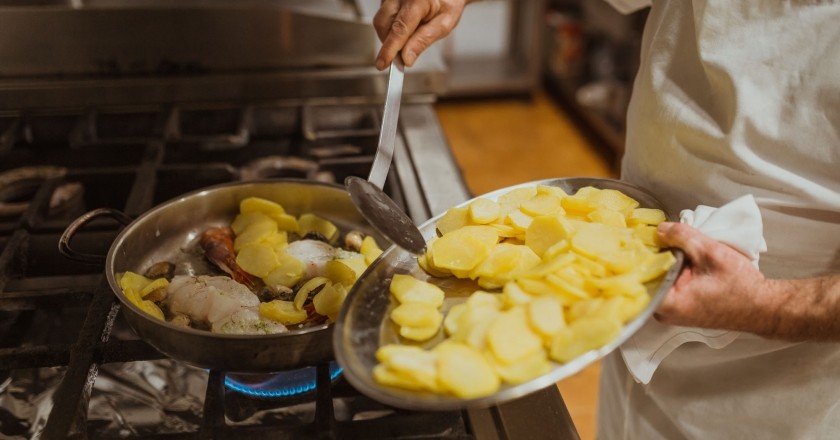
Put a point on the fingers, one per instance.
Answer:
(426, 34)
(384, 17)
(694, 243)
(411, 26)
(404, 21)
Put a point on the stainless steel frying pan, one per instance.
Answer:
(169, 232)
(363, 325)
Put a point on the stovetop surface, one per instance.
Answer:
(69, 366)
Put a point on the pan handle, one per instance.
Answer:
(70, 232)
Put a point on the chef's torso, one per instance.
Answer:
(744, 97)
(738, 97)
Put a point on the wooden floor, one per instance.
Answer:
(502, 142)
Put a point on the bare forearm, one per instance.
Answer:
(721, 288)
(799, 310)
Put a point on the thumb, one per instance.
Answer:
(694, 243)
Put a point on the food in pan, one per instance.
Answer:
(557, 275)
(278, 271)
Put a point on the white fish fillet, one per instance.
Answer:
(247, 322)
(216, 300)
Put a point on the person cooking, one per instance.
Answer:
(731, 99)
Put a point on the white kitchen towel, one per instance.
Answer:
(738, 224)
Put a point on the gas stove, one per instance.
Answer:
(69, 365)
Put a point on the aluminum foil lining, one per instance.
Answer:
(130, 399)
(142, 398)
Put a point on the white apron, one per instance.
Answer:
(739, 97)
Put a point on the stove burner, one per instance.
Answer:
(278, 385)
(18, 186)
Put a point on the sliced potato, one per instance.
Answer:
(549, 265)
(277, 241)
(419, 334)
(506, 231)
(330, 299)
(255, 233)
(385, 375)
(518, 195)
(133, 282)
(151, 308)
(483, 233)
(426, 262)
(483, 211)
(628, 284)
(655, 266)
(510, 337)
(452, 321)
(548, 189)
(581, 336)
(462, 251)
(308, 287)
(565, 291)
(345, 271)
(370, 249)
(258, 204)
(480, 310)
(406, 288)
(159, 283)
(312, 223)
(646, 216)
(504, 262)
(523, 370)
(474, 331)
(287, 272)
(630, 257)
(283, 312)
(630, 307)
(416, 314)
(464, 371)
(607, 217)
(257, 259)
(541, 204)
(286, 222)
(592, 267)
(242, 221)
(518, 220)
(544, 232)
(614, 200)
(545, 314)
(578, 205)
(454, 218)
(597, 241)
(535, 287)
(416, 363)
(513, 295)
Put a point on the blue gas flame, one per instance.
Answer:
(283, 384)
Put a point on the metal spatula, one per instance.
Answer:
(374, 205)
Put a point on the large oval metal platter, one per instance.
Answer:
(364, 325)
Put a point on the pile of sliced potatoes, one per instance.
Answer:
(558, 275)
(262, 230)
